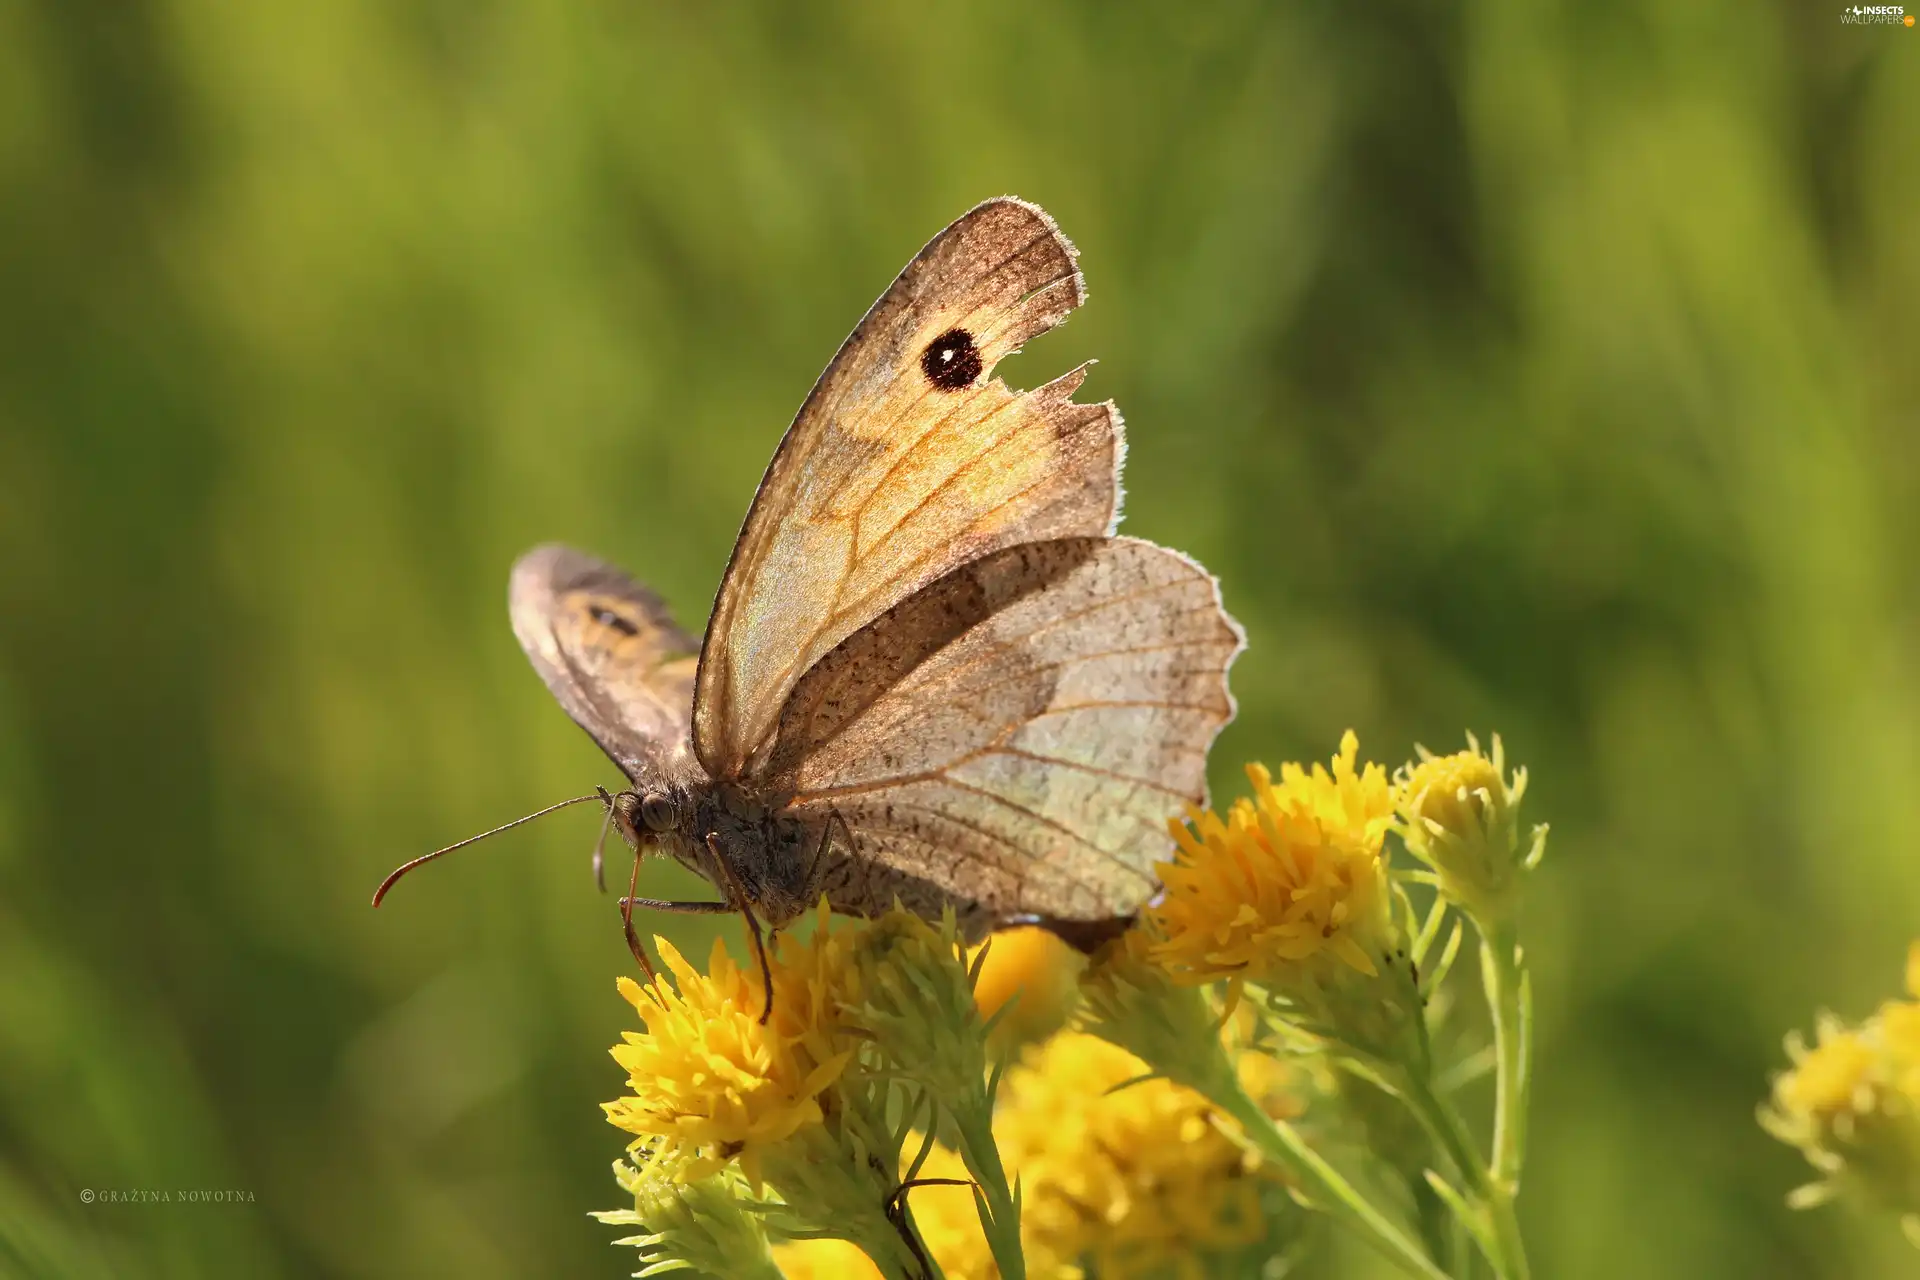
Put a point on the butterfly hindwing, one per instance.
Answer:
(1017, 734)
(907, 460)
(610, 652)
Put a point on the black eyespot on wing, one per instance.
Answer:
(618, 621)
(951, 361)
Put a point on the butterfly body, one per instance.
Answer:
(733, 838)
(933, 674)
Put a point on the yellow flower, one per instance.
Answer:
(1899, 1025)
(709, 1080)
(1293, 874)
(1460, 816)
(801, 1101)
(1031, 969)
(1851, 1103)
(1135, 1180)
(824, 1260)
(1828, 1080)
(1273, 1083)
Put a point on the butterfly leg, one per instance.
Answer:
(819, 854)
(626, 920)
(745, 908)
(628, 903)
(897, 1215)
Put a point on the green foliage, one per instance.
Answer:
(1538, 365)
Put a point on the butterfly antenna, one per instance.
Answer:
(600, 845)
(399, 871)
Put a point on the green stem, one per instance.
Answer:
(892, 1255)
(1000, 1216)
(1320, 1182)
(1506, 1230)
(1502, 1242)
(1439, 1232)
(1435, 1223)
(1508, 996)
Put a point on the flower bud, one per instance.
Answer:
(1461, 816)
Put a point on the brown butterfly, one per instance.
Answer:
(932, 674)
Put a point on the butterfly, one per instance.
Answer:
(933, 674)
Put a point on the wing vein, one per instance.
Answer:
(977, 460)
(1108, 704)
(1090, 769)
(1041, 818)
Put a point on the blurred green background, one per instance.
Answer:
(1539, 367)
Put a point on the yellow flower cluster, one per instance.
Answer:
(710, 1081)
(1134, 1179)
(826, 1259)
(1137, 1180)
(1292, 873)
(1029, 980)
(1157, 1140)
(1141, 1180)
(790, 1105)
(1290, 893)
(1851, 1103)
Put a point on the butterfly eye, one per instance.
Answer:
(951, 361)
(657, 812)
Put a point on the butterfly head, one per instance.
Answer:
(646, 815)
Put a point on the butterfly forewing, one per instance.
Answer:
(907, 460)
(1017, 734)
(611, 654)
